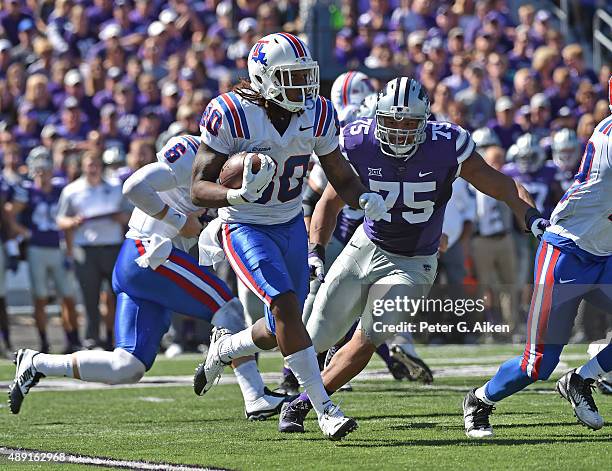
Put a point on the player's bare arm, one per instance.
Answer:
(497, 185)
(342, 177)
(323, 221)
(205, 191)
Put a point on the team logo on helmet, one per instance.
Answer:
(258, 55)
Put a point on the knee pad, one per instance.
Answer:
(230, 316)
(128, 369)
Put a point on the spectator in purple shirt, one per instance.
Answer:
(15, 80)
(520, 55)
(586, 98)
(143, 14)
(494, 24)
(457, 81)
(480, 106)
(446, 19)
(456, 41)
(474, 25)
(215, 58)
(419, 17)
(504, 126)
(561, 93)
(100, 12)
(497, 80)
(148, 93)
(525, 86)
(169, 104)
(37, 95)
(72, 126)
(149, 124)
(541, 24)
(109, 128)
(11, 15)
(544, 61)
(441, 100)
(104, 96)
(5, 56)
(125, 99)
(573, 58)
(349, 51)
(27, 131)
(80, 35)
(416, 41)
(73, 87)
(379, 14)
(57, 26)
(539, 118)
(268, 19)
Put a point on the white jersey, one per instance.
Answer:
(232, 124)
(584, 214)
(178, 155)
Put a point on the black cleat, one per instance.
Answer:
(419, 371)
(476, 416)
(289, 386)
(579, 393)
(399, 371)
(292, 415)
(604, 386)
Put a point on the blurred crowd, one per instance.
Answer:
(106, 83)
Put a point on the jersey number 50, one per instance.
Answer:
(421, 211)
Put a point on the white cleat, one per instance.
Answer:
(26, 377)
(207, 373)
(265, 406)
(334, 424)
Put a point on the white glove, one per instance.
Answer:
(253, 184)
(374, 206)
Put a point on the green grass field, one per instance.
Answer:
(401, 425)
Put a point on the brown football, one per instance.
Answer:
(231, 172)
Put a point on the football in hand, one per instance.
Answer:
(231, 172)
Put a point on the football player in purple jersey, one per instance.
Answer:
(412, 162)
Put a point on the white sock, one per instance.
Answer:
(305, 366)
(591, 369)
(53, 365)
(480, 394)
(249, 380)
(238, 345)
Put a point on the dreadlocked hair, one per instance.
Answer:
(243, 89)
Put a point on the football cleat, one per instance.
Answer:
(265, 406)
(289, 386)
(419, 371)
(207, 373)
(579, 393)
(292, 415)
(476, 416)
(604, 386)
(348, 387)
(399, 371)
(26, 377)
(334, 424)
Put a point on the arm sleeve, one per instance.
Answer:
(327, 127)
(142, 187)
(217, 128)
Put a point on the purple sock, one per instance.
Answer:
(383, 352)
(287, 371)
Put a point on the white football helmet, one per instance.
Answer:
(274, 61)
(350, 88)
(527, 154)
(405, 101)
(485, 137)
(565, 149)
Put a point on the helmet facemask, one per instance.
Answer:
(301, 77)
(403, 139)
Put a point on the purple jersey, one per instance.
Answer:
(40, 213)
(415, 190)
(538, 184)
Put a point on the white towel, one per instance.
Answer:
(210, 250)
(157, 251)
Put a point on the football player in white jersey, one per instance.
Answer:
(279, 114)
(154, 276)
(574, 262)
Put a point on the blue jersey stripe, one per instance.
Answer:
(243, 118)
(605, 123)
(329, 117)
(228, 115)
(291, 44)
(317, 115)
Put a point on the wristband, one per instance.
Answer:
(234, 197)
(318, 250)
(174, 218)
(531, 215)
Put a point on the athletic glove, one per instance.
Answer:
(316, 262)
(253, 184)
(374, 206)
(535, 223)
